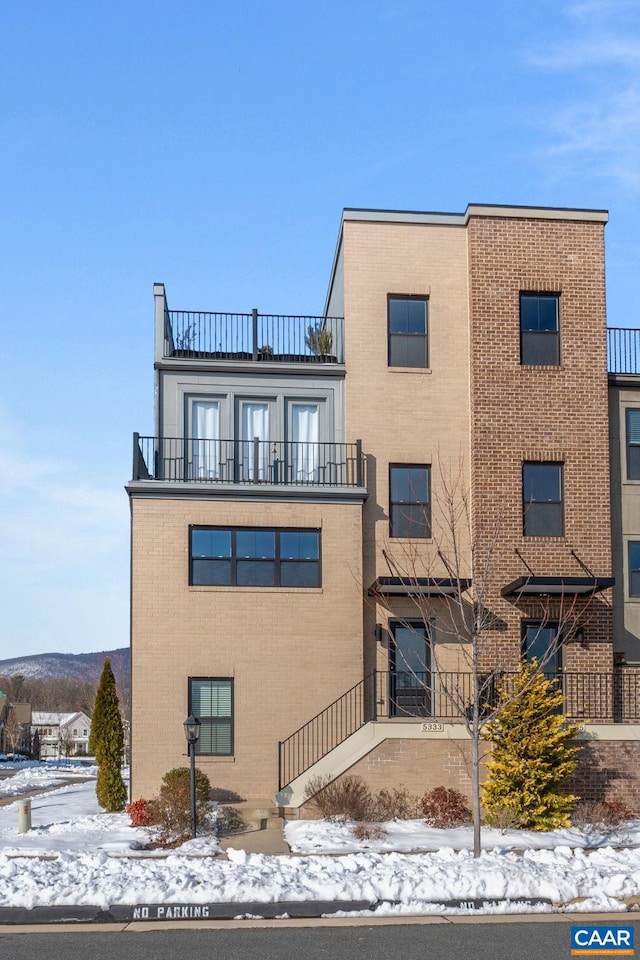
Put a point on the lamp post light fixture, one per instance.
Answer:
(192, 733)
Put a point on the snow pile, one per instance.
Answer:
(32, 775)
(407, 882)
(317, 836)
(76, 854)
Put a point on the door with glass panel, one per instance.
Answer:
(254, 453)
(541, 643)
(204, 456)
(304, 446)
(409, 669)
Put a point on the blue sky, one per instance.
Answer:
(212, 147)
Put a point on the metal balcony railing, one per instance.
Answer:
(612, 697)
(248, 461)
(623, 350)
(253, 336)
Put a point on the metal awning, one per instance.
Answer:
(556, 586)
(418, 586)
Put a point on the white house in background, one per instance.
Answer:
(61, 734)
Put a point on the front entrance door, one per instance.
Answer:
(409, 669)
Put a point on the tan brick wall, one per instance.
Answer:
(290, 652)
(540, 413)
(404, 416)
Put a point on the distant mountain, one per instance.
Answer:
(85, 667)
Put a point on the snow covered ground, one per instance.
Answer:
(31, 775)
(76, 854)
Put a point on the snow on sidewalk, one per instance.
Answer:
(88, 861)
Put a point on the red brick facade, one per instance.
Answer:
(543, 414)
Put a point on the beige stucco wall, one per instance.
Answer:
(290, 651)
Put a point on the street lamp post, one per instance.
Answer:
(192, 733)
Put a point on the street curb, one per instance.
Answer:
(160, 912)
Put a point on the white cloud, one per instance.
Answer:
(595, 133)
(64, 563)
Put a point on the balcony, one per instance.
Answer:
(271, 338)
(623, 350)
(272, 462)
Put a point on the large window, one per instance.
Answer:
(539, 329)
(244, 557)
(542, 506)
(211, 701)
(408, 328)
(633, 444)
(541, 642)
(634, 568)
(409, 500)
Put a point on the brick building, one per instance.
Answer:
(332, 506)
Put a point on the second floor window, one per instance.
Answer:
(542, 500)
(539, 329)
(409, 501)
(254, 557)
(408, 329)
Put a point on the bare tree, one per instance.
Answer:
(66, 742)
(452, 583)
(14, 731)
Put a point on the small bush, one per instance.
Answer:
(368, 831)
(140, 812)
(395, 804)
(443, 807)
(229, 820)
(172, 809)
(348, 798)
(503, 819)
(600, 815)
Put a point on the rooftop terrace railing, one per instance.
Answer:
(623, 350)
(253, 336)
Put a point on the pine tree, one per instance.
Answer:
(106, 742)
(533, 756)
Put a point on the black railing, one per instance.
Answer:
(290, 463)
(623, 349)
(390, 694)
(254, 336)
(328, 729)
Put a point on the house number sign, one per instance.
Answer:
(432, 727)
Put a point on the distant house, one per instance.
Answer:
(15, 726)
(61, 734)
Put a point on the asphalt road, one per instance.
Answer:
(431, 941)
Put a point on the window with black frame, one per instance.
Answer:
(211, 701)
(542, 500)
(633, 443)
(634, 568)
(408, 331)
(539, 329)
(254, 557)
(409, 500)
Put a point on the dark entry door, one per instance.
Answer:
(409, 670)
